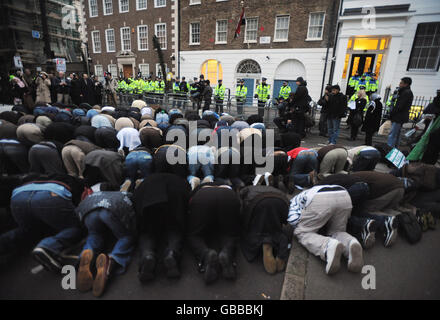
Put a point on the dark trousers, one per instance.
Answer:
(207, 105)
(219, 106)
(323, 123)
(369, 138)
(13, 158)
(354, 131)
(46, 160)
(261, 105)
(213, 210)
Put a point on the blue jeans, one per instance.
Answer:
(138, 164)
(333, 129)
(39, 214)
(200, 157)
(394, 136)
(99, 223)
(305, 162)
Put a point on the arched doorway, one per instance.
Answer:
(288, 70)
(212, 70)
(250, 71)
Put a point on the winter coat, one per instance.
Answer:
(373, 117)
(400, 111)
(337, 106)
(43, 90)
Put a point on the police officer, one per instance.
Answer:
(284, 91)
(352, 83)
(240, 96)
(263, 94)
(219, 96)
(177, 92)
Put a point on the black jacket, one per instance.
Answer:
(400, 111)
(337, 106)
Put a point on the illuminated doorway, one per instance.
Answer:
(212, 70)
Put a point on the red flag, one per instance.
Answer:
(241, 21)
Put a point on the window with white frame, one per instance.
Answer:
(251, 30)
(221, 31)
(142, 38)
(108, 7)
(123, 6)
(195, 2)
(93, 8)
(160, 3)
(96, 40)
(125, 39)
(110, 40)
(316, 26)
(425, 53)
(194, 33)
(282, 28)
(99, 72)
(113, 69)
(144, 68)
(141, 4)
(159, 70)
(160, 30)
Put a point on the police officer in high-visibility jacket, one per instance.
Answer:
(219, 96)
(285, 91)
(240, 96)
(176, 90)
(263, 94)
(352, 83)
(372, 84)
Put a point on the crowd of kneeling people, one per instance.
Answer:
(70, 173)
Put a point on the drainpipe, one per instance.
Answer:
(46, 36)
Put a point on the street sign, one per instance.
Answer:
(265, 40)
(36, 34)
(61, 64)
(17, 62)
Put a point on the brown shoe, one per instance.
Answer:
(268, 259)
(85, 277)
(102, 266)
(281, 264)
(126, 186)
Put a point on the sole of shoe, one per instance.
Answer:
(212, 265)
(101, 275)
(171, 267)
(258, 180)
(228, 270)
(269, 262)
(146, 269)
(334, 263)
(391, 234)
(369, 234)
(85, 277)
(269, 180)
(355, 260)
(48, 262)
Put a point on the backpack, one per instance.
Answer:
(409, 227)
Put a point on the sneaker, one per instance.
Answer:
(268, 179)
(228, 269)
(390, 231)
(146, 268)
(259, 178)
(102, 273)
(423, 221)
(47, 259)
(126, 186)
(269, 262)
(355, 258)
(85, 277)
(194, 183)
(333, 256)
(212, 266)
(171, 265)
(368, 234)
(281, 264)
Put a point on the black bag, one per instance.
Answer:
(357, 120)
(409, 227)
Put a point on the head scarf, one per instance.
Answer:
(129, 137)
(43, 121)
(122, 123)
(30, 134)
(151, 137)
(100, 121)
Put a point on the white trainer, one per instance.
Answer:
(333, 256)
(355, 257)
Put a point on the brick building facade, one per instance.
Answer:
(281, 40)
(120, 35)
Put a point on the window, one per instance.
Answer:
(93, 8)
(141, 4)
(144, 69)
(195, 2)
(108, 7)
(212, 70)
(194, 33)
(161, 34)
(113, 69)
(250, 34)
(282, 28)
(96, 40)
(159, 70)
(160, 3)
(425, 52)
(123, 6)
(316, 26)
(249, 66)
(110, 40)
(221, 32)
(142, 38)
(125, 39)
(99, 71)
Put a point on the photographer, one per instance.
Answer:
(43, 88)
(110, 89)
(62, 88)
(298, 107)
